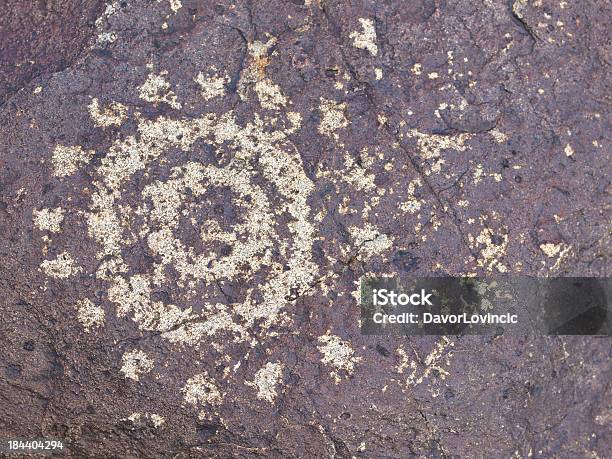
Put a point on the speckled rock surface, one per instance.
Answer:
(186, 210)
(41, 37)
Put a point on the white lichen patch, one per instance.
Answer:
(369, 240)
(411, 204)
(157, 90)
(134, 417)
(106, 37)
(111, 9)
(356, 174)
(519, 7)
(332, 117)
(49, 219)
(486, 305)
(266, 380)
(67, 160)
(478, 174)
(135, 297)
(338, 354)
(114, 114)
(366, 39)
(295, 118)
(156, 419)
(104, 226)
(552, 250)
(431, 147)
(492, 249)
(212, 85)
(404, 361)
(255, 70)
(175, 5)
(434, 361)
(89, 315)
(62, 267)
(269, 94)
(217, 320)
(201, 389)
(135, 363)
(498, 135)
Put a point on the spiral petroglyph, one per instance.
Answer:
(257, 166)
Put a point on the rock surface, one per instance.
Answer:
(191, 190)
(40, 37)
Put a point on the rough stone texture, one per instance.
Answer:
(40, 37)
(187, 208)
